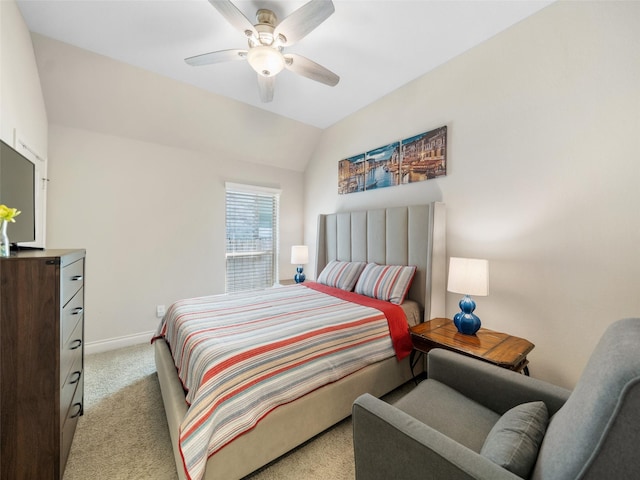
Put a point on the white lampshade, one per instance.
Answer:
(299, 255)
(266, 61)
(469, 276)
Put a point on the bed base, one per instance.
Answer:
(413, 235)
(284, 428)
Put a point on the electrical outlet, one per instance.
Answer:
(160, 311)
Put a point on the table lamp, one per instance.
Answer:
(299, 256)
(469, 276)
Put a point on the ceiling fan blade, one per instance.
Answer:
(266, 86)
(310, 69)
(235, 17)
(216, 57)
(301, 22)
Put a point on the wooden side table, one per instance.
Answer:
(497, 348)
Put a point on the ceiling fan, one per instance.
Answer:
(267, 39)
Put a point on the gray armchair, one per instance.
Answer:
(439, 429)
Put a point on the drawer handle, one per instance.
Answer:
(76, 278)
(77, 311)
(75, 380)
(77, 343)
(78, 412)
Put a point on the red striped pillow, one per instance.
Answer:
(343, 275)
(386, 282)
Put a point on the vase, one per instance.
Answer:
(466, 321)
(299, 277)
(5, 246)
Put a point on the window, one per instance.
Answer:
(252, 237)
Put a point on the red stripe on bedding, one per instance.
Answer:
(396, 318)
(222, 366)
(259, 379)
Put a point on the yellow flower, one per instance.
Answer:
(8, 214)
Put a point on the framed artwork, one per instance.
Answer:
(414, 159)
(351, 174)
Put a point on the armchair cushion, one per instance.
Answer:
(435, 404)
(514, 440)
(389, 443)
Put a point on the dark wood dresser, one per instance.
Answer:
(41, 361)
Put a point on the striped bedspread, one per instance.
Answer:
(240, 356)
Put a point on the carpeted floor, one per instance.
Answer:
(123, 433)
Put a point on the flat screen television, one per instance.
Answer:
(17, 190)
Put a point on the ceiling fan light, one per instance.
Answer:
(265, 60)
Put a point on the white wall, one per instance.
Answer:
(543, 173)
(152, 220)
(542, 179)
(137, 165)
(22, 108)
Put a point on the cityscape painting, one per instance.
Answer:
(352, 170)
(414, 159)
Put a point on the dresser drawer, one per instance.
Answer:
(72, 313)
(71, 368)
(70, 420)
(71, 352)
(72, 280)
(68, 388)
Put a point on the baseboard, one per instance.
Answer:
(118, 342)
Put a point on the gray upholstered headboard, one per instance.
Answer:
(412, 235)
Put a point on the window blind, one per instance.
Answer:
(252, 237)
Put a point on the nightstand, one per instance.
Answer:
(498, 348)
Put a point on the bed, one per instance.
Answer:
(414, 236)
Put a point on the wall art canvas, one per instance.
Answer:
(414, 159)
(424, 156)
(351, 174)
(383, 166)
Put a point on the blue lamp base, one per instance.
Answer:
(466, 321)
(299, 277)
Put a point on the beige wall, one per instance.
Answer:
(542, 179)
(137, 165)
(543, 173)
(93, 92)
(152, 220)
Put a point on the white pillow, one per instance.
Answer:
(343, 275)
(386, 282)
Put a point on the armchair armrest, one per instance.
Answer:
(494, 387)
(389, 443)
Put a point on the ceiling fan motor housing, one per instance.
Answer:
(266, 16)
(265, 53)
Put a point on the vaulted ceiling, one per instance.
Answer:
(375, 46)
